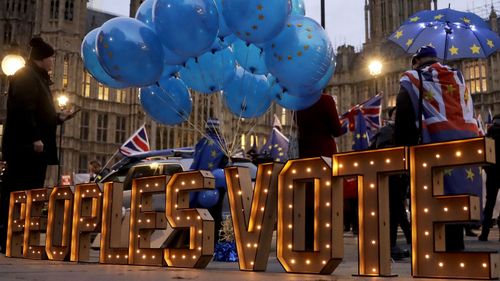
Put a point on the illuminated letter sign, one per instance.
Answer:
(253, 212)
(86, 219)
(35, 223)
(114, 243)
(144, 220)
(15, 230)
(372, 167)
(199, 221)
(328, 250)
(58, 237)
(430, 209)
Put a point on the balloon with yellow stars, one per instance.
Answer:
(187, 27)
(92, 64)
(130, 51)
(300, 56)
(256, 21)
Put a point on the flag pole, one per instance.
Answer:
(109, 161)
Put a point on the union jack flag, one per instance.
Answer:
(448, 112)
(137, 143)
(370, 109)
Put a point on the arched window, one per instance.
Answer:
(54, 9)
(68, 9)
(7, 33)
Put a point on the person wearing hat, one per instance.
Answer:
(434, 105)
(492, 181)
(29, 140)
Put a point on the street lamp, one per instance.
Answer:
(62, 101)
(11, 63)
(375, 68)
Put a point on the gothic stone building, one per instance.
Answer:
(352, 83)
(108, 116)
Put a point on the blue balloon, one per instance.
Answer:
(145, 15)
(168, 102)
(187, 27)
(170, 70)
(208, 198)
(288, 101)
(209, 72)
(221, 43)
(298, 7)
(129, 51)
(224, 30)
(248, 95)
(220, 179)
(256, 21)
(301, 55)
(92, 64)
(318, 87)
(250, 57)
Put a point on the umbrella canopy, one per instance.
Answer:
(454, 34)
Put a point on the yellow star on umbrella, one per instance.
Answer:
(358, 136)
(490, 43)
(409, 42)
(414, 19)
(475, 49)
(453, 50)
(210, 165)
(399, 33)
(447, 172)
(466, 20)
(213, 153)
(470, 174)
(438, 17)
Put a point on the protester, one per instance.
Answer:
(29, 141)
(424, 121)
(318, 125)
(492, 181)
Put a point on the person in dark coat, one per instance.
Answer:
(492, 181)
(318, 125)
(29, 140)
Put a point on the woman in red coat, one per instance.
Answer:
(318, 125)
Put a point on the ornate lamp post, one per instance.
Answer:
(62, 102)
(375, 69)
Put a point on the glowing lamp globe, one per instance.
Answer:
(12, 63)
(375, 67)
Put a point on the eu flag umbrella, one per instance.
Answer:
(454, 34)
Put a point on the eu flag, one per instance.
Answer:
(463, 180)
(208, 154)
(276, 146)
(360, 138)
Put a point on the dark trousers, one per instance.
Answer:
(492, 186)
(22, 174)
(398, 190)
(351, 214)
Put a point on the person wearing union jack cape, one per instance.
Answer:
(439, 109)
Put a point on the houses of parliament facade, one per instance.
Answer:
(110, 116)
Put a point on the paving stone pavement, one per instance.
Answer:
(32, 270)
